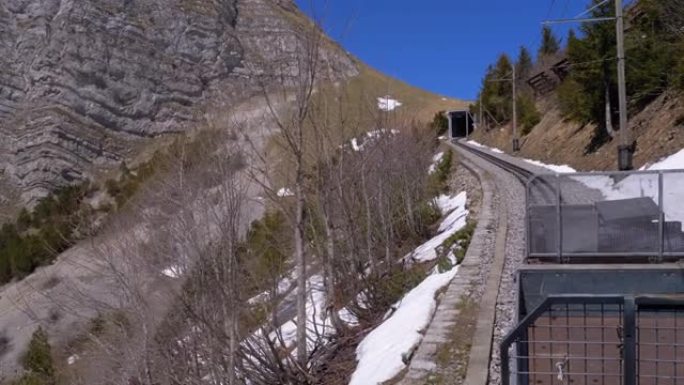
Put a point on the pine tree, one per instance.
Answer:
(524, 64)
(38, 357)
(549, 44)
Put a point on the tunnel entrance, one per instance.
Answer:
(460, 123)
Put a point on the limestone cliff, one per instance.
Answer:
(83, 81)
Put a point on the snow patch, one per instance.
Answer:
(476, 144)
(435, 161)
(557, 168)
(283, 286)
(358, 144)
(672, 162)
(72, 359)
(173, 271)
(285, 192)
(492, 149)
(386, 103)
(455, 221)
(380, 354)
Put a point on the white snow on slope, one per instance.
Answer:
(316, 320)
(380, 353)
(285, 192)
(672, 162)
(174, 271)
(435, 161)
(386, 103)
(283, 285)
(358, 144)
(492, 149)
(558, 168)
(455, 221)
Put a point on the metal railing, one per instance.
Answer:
(590, 217)
(588, 339)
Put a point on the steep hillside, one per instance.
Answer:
(658, 130)
(83, 84)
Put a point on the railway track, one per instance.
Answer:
(521, 173)
(545, 193)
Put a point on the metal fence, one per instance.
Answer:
(590, 217)
(621, 340)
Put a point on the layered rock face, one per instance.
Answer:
(81, 81)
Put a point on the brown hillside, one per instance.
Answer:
(658, 129)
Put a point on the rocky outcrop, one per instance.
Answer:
(82, 81)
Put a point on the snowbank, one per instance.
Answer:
(380, 353)
(317, 323)
(492, 149)
(455, 220)
(173, 271)
(285, 192)
(435, 161)
(672, 162)
(386, 103)
(561, 169)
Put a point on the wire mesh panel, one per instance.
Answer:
(587, 339)
(590, 217)
(574, 343)
(542, 214)
(626, 211)
(673, 208)
(660, 345)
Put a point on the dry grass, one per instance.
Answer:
(452, 357)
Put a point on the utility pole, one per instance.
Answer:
(516, 141)
(625, 148)
(626, 145)
(467, 116)
(480, 122)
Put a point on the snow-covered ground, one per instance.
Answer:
(284, 192)
(173, 271)
(358, 144)
(284, 284)
(492, 149)
(456, 214)
(558, 168)
(435, 162)
(386, 103)
(380, 353)
(317, 323)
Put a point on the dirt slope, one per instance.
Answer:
(658, 129)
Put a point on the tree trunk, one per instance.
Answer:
(369, 223)
(330, 276)
(300, 260)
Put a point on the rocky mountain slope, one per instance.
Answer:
(83, 82)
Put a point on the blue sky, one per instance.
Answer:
(443, 46)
